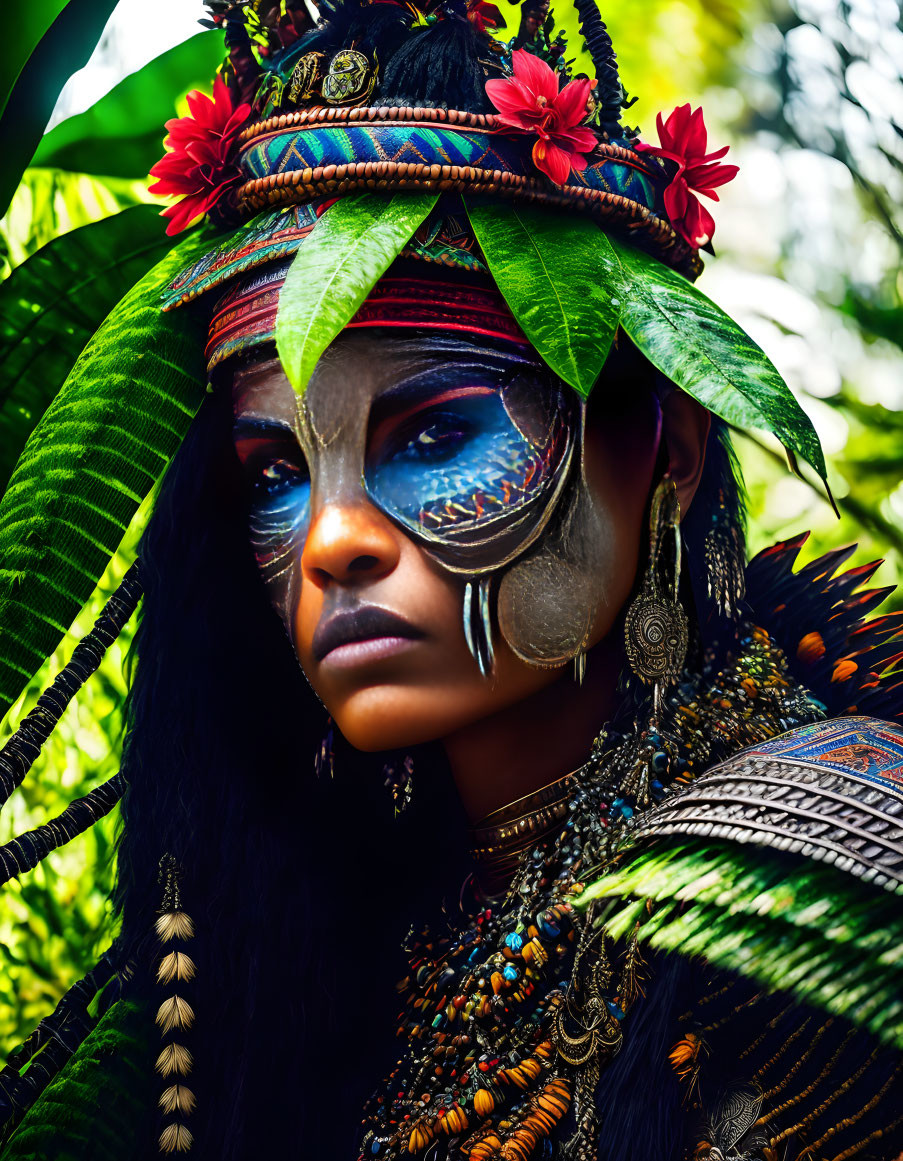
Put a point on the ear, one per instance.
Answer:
(685, 431)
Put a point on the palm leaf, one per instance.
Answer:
(556, 273)
(788, 924)
(703, 351)
(100, 447)
(43, 44)
(52, 304)
(122, 134)
(352, 245)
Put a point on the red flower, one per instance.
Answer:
(530, 102)
(200, 165)
(484, 15)
(683, 139)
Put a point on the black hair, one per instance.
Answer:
(301, 888)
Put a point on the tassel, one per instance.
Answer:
(175, 1014)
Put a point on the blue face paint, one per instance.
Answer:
(466, 455)
(458, 462)
(279, 493)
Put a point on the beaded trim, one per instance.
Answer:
(316, 152)
(286, 187)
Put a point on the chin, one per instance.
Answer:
(392, 717)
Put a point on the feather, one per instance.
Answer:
(175, 1013)
(176, 1138)
(819, 620)
(175, 966)
(177, 1099)
(174, 925)
(174, 1058)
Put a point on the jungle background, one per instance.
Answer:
(809, 93)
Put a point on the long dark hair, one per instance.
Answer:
(301, 887)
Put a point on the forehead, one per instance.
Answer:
(361, 366)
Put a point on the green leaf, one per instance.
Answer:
(557, 274)
(52, 304)
(352, 245)
(96, 453)
(122, 134)
(703, 351)
(44, 43)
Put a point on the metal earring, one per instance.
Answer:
(580, 667)
(399, 781)
(478, 624)
(324, 759)
(725, 576)
(656, 630)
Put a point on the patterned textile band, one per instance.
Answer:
(246, 316)
(318, 152)
(831, 791)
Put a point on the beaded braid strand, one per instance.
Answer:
(175, 1015)
(21, 751)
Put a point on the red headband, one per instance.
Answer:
(246, 316)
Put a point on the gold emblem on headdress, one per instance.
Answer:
(304, 76)
(350, 78)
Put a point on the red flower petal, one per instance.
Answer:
(698, 225)
(581, 139)
(511, 98)
(553, 162)
(539, 78)
(570, 104)
(708, 177)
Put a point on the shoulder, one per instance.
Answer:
(830, 791)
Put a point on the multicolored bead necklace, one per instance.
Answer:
(510, 1014)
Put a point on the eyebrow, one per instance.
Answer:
(258, 427)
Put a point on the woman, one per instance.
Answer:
(505, 551)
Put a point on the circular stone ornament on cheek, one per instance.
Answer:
(548, 601)
(545, 610)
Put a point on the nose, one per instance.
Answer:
(348, 543)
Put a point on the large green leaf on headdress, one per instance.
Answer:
(53, 303)
(96, 453)
(570, 285)
(702, 350)
(44, 42)
(122, 134)
(352, 245)
(550, 280)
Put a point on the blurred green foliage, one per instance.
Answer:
(809, 93)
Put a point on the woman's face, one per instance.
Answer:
(355, 491)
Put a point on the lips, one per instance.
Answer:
(363, 624)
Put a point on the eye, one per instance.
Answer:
(431, 437)
(276, 477)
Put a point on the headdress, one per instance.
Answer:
(369, 118)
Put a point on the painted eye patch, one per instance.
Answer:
(455, 465)
(278, 484)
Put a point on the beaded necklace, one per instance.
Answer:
(510, 1013)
